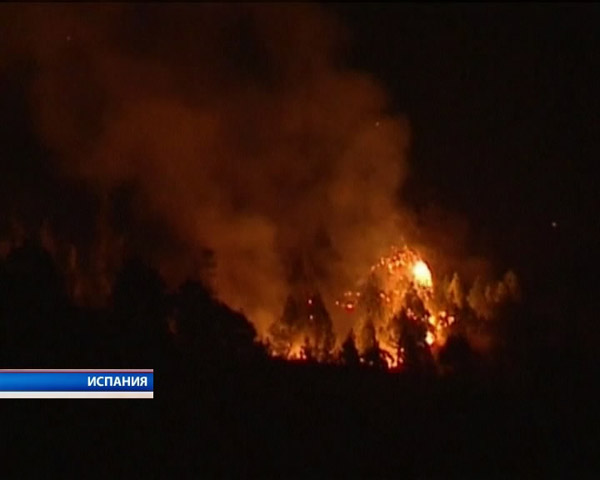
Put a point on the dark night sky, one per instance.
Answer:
(503, 106)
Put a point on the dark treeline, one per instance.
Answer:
(143, 323)
(224, 407)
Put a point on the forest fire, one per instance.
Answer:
(400, 316)
(163, 178)
(301, 217)
(394, 307)
(400, 312)
(399, 284)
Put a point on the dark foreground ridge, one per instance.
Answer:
(222, 407)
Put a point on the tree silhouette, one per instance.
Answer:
(35, 310)
(409, 334)
(366, 339)
(208, 330)
(308, 351)
(455, 293)
(287, 329)
(371, 300)
(457, 355)
(320, 324)
(139, 314)
(349, 354)
(193, 306)
(305, 321)
(375, 357)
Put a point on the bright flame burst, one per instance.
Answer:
(422, 274)
(400, 282)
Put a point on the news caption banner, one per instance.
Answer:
(77, 383)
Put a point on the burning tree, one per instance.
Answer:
(402, 318)
(397, 286)
(402, 312)
(304, 330)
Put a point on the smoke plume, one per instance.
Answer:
(232, 128)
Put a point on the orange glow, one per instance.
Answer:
(391, 359)
(397, 288)
(295, 352)
(398, 277)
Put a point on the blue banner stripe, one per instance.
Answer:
(75, 382)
